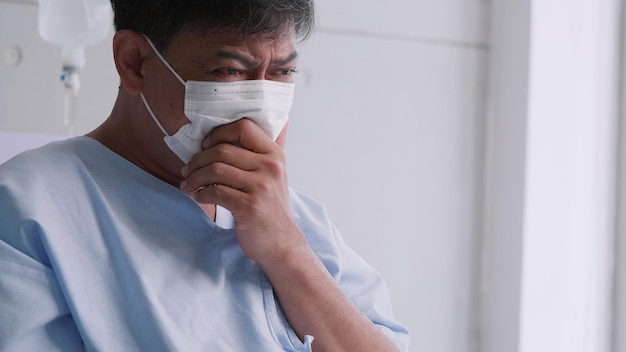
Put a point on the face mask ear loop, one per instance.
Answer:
(167, 64)
(145, 102)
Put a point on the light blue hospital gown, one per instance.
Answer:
(98, 255)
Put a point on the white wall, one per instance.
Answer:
(550, 219)
(387, 130)
(619, 298)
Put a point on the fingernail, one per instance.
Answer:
(205, 142)
(184, 171)
(183, 185)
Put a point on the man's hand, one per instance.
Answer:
(244, 171)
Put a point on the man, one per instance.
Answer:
(171, 226)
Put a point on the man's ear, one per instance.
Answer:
(129, 52)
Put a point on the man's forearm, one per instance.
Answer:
(315, 305)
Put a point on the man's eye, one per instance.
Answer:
(233, 71)
(287, 72)
(228, 71)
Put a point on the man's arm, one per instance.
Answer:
(315, 305)
(33, 313)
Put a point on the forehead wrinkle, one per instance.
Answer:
(200, 63)
(237, 57)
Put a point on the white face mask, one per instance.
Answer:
(211, 104)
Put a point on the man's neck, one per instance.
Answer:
(142, 148)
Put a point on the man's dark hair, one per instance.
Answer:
(160, 20)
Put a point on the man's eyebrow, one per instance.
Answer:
(288, 59)
(249, 63)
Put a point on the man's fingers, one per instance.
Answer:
(243, 132)
(222, 195)
(225, 153)
(215, 173)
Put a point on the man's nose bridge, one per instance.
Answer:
(258, 73)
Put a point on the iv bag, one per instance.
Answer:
(73, 25)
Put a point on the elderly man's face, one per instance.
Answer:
(222, 57)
